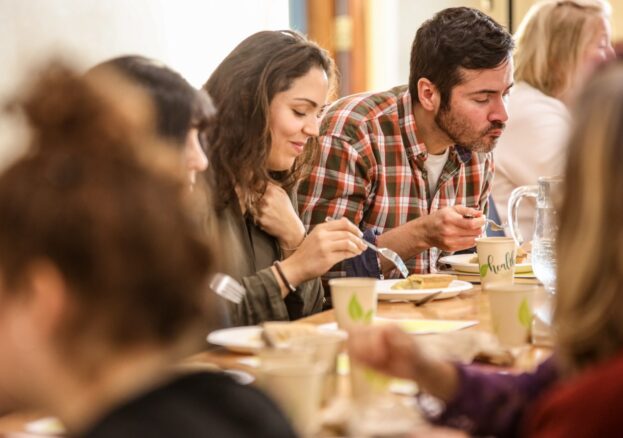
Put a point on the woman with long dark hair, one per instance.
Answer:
(270, 93)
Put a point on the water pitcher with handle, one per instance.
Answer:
(547, 193)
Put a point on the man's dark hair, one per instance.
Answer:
(455, 38)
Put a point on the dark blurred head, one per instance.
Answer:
(182, 112)
(179, 106)
(99, 201)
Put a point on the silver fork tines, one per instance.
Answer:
(489, 223)
(391, 256)
(227, 287)
(495, 226)
(385, 252)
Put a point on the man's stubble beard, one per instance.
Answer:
(460, 132)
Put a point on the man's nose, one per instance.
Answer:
(499, 112)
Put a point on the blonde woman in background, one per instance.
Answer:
(559, 45)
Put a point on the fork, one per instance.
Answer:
(227, 287)
(495, 226)
(385, 252)
(426, 299)
(490, 223)
(391, 256)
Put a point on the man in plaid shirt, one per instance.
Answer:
(409, 164)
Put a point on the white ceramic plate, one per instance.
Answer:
(245, 339)
(47, 426)
(242, 377)
(417, 326)
(461, 263)
(387, 293)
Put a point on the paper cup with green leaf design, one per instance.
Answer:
(366, 383)
(354, 301)
(496, 261)
(511, 313)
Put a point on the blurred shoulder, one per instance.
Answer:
(196, 405)
(526, 99)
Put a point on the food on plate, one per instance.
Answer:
(521, 256)
(279, 334)
(425, 281)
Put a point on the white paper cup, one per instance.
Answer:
(297, 390)
(366, 383)
(354, 301)
(496, 261)
(299, 355)
(325, 349)
(511, 313)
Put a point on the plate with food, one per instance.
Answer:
(469, 263)
(246, 339)
(252, 338)
(419, 285)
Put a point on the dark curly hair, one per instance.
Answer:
(242, 87)
(456, 38)
(99, 198)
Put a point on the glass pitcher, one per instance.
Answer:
(547, 193)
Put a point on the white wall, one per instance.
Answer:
(393, 24)
(191, 36)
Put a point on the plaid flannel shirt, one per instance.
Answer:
(371, 170)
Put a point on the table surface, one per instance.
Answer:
(469, 305)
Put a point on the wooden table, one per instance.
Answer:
(470, 305)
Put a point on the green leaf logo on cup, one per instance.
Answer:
(378, 382)
(356, 312)
(524, 314)
(506, 265)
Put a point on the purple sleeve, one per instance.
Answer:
(367, 263)
(491, 403)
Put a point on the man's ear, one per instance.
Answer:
(428, 95)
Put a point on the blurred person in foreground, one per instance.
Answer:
(579, 391)
(408, 164)
(182, 115)
(270, 93)
(559, 45)
(101, 293)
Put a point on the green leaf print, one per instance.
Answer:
(367, 318)
(376, 380)
(483, 270)
(355, 311)
(525, 315)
